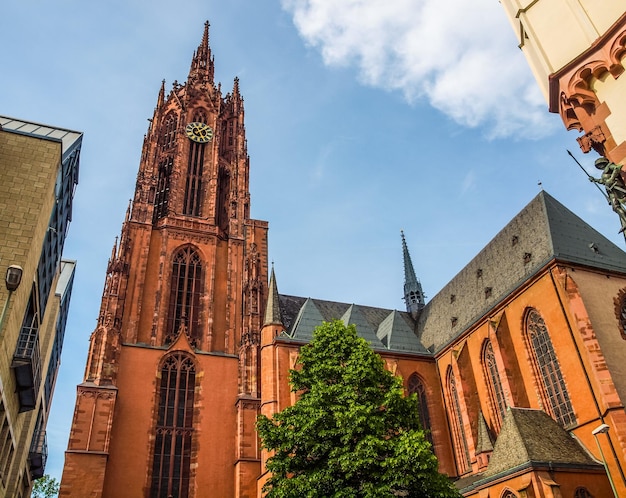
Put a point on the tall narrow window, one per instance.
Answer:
(185, 292)
(223, 194)
(416, 386)
(622, 315)
(168, 132)
(555, 394)
(496, 393)
(192, 204)
(458, 432)
(161, 198)
(172, 448)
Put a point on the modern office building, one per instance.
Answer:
(38, 176)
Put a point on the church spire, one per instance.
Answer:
(413, 294)
(272, 310)
(202, 67)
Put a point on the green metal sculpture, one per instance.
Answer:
(614, 185)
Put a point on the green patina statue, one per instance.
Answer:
(615, 187)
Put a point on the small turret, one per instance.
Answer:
(272, 310)
(413, 294)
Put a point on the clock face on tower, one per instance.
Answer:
(199, 132)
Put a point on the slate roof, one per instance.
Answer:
(384, 329)
(532, 436)
(530, 439)
(543, 231)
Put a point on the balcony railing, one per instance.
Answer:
(38, 454)
(26, 367)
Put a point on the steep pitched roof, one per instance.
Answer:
(354, 316)
(543, 231)
(272, 309)
(308, 318)
(301, 315)
(484, 444)
(395, 333)
(575, 241)
(533, 436)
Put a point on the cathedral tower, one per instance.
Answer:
(171, 387)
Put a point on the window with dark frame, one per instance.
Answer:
(458, 432)
(185, 292)
(168, 133)
(416, 386)
(173, 439)
(161, 198)
(496, 393)
(549, 372)
(622, 317)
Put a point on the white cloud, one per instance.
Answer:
(460, 55)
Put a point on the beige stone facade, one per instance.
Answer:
(577, 52)
(34, 163)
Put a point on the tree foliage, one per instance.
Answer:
(352, 432)
(45, 487)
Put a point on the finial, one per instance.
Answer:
(114, 251)
(205, 35)
(202, 63)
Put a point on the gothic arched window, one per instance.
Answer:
(458, 432)
(171, 463)
(161, 198)
(168, 131)
(622, 317)
(556, 397)
(582, 493)
(192, 204)
(185, 292)
(496, 393)
(416, 386)
(223, 194)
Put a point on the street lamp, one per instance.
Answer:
(12, 281)
(604, 429)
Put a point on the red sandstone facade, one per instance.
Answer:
(178, 329)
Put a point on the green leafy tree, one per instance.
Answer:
(45, 487)
(352, 432)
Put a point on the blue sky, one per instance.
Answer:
(363, 118)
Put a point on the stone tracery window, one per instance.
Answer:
(168, 131)
(416, 386)
(458, 432)
(161, 198)
(185, 292)
(548, 371)
(192, 203)
(494, 384)
(171, 462)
